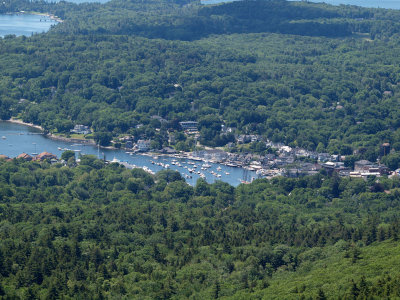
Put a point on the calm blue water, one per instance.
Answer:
(390, 4)
(20, 138)
(24, 24)
(29, 24)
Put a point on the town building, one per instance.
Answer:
(215, 154)
(25, 156)
(189, 125)
(385, 149)
(171, 138)
(143, 145)
(44, 156)
(129, 144)
(81, 129)
(366, 168)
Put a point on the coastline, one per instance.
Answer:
(17, 121)
(186, 155)
(50, 135)
(50, 16)
(70, 140)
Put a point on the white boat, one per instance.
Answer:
(227, 173)
(219, 169)
(3, 137)
(148, 170)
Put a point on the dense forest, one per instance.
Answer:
(97, 231)
(309, 75)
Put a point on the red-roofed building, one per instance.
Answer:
(45, 155)
(25, 156)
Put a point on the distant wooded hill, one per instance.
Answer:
(309, 75)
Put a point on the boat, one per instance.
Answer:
(219, 169)
(115, 160)
(3, 137)
(146, 169)
(227, 173)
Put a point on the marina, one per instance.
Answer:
(17, 138)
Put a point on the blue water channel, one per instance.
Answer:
(16, 139)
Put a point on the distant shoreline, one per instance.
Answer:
(50, 16)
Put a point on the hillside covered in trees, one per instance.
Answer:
(309, 75)
(98, 231)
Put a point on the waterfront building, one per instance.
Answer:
(189, 125)
(143, 145)
(81, 129)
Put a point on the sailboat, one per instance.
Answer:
(34, 153)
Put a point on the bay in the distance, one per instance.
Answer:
(24, 24)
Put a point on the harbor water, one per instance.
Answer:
(16, 139)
